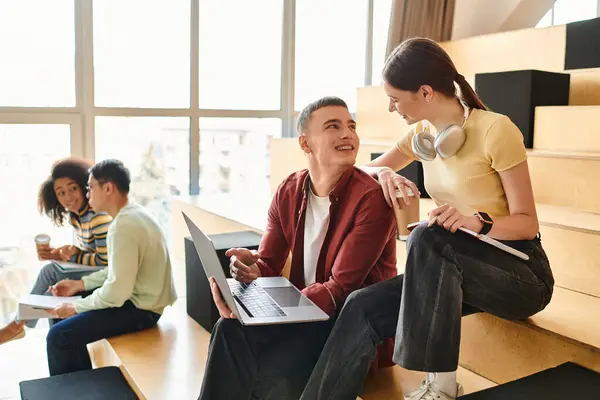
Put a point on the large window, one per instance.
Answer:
(566, 11)
(24, 168)
(234, 166)
(330, 49)
(38, 53)
(381, 21)
(155, 150)
(188, 93)
(240, 54)
(142, 53)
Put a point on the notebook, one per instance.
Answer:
(67, 267)
(34, 306)
(483, 238)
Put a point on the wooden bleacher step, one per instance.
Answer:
(571, 239)
(567, 179)
(571, 315)
(392, 383)
(168, 362)
(585, 87)
(567, 128)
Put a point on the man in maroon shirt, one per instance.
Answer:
(341, 233)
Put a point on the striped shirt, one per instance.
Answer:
(91, 229)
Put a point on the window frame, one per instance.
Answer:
(82, 117)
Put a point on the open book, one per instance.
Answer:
(67, 267)
(34, 306)
(483, 238)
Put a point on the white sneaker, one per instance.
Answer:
(428, 392)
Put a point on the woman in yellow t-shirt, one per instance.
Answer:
(475, 169)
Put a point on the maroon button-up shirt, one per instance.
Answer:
(359, 248)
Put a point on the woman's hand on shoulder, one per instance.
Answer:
(391, 183)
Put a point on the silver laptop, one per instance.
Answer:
(262, 302)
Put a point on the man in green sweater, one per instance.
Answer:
(130, 294)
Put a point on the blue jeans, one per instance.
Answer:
(48, 276)
(445, 275)
(66, 341)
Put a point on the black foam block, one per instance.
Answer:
(567, 381)
(107, 383)
(583, 44)
(517, 93)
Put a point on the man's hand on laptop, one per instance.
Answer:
(221, 305)
(242, 264)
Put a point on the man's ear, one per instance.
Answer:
(304, 144)
(109, 188)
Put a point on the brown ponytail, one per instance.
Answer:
(468, 95)
(421, 61)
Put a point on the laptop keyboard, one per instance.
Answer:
(255, 301)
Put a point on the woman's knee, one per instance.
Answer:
(433, 239)
(422, 235)
(359, 302)
(48, 272)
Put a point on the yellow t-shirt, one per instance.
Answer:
(469, 181)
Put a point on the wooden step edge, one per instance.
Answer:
(394, 382)
(567, 218)
(375, 142)
(582, 71)
(539, 153)
(473, 382)
(103, 354)
(571, 316)
(568, 107)
(572, 155)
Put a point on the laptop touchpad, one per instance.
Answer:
(287, 296)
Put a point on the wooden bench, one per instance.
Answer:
(168, 361)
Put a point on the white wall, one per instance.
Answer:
(480, 17)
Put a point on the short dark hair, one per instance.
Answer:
(307, 111)
(72, 168)
(113, 171)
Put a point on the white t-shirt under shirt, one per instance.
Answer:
(315, 228)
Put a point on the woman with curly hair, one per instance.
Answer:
(63, 197)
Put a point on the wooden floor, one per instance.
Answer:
(21, 360)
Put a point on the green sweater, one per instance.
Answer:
(139, 267)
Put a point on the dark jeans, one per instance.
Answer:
(66, 341)
(48, 276)
(445, 274)
(261, 362)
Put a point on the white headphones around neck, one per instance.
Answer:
(447, 143)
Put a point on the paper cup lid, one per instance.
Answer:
(42, 238)
(408, 191)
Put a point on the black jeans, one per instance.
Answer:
(423, 307)
(261, 362)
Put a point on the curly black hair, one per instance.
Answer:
(74, 168)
